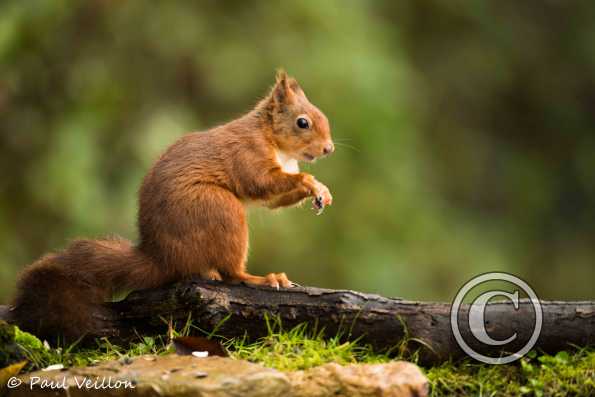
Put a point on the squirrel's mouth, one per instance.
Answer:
(308, 157)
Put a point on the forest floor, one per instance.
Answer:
(569, 372)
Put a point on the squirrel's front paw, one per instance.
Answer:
(322, 197)
(321, 193)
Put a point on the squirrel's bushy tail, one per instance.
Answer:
(61, 294)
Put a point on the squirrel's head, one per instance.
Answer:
(300, 129)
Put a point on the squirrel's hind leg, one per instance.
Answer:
(220, 242)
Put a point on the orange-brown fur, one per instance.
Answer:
(191, 220)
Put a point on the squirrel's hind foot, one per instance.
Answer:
(277, 280)
(273, 280)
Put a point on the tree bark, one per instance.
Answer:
(384, 323)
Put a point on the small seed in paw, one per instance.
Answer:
(318, 202)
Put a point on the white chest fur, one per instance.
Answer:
(288, 164)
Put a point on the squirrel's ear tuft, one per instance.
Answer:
(281, 75)
(283, 92)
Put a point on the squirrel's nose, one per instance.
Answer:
(328, 148)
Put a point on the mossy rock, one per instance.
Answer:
(10, 351)
(17, 346)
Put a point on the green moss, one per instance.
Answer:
(562, 374)
(25, 346)
(9, 350)
(28, 340)
(298, 349)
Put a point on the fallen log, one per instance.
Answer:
(384, 323)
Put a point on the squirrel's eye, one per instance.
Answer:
(302, 123)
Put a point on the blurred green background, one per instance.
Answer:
(466, 131)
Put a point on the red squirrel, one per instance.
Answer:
(191, 219)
